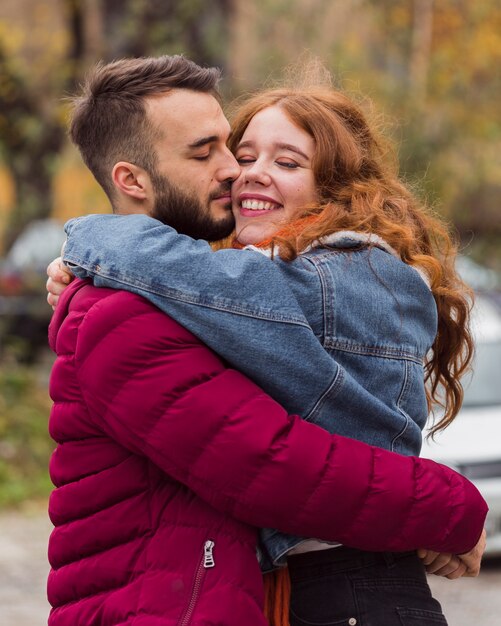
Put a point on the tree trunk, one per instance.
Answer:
(421, 49)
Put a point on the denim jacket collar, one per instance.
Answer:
(345, 239)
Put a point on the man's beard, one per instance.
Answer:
(186, 214)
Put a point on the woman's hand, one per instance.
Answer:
(454, 566)
(59, 278)
(442, 564)
(473, 558)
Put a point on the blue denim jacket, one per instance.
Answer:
(337, 336)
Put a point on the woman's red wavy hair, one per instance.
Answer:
(359, 189)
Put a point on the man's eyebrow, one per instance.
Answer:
(203, 141)
(280, 146)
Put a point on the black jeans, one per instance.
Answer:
(350, 587)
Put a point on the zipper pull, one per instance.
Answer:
(208, 556)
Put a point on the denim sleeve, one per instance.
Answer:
(237, 302)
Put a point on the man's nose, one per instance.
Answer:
(229, 168)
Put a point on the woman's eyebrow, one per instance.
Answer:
(292, 148)
(280, 146)
(245, 144)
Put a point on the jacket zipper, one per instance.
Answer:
(205, 563)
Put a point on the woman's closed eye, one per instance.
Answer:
(291, 165)
(285, 163)
(245, 160)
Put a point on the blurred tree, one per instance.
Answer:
(199, 28)
(30, 137)
(32, 129)
(449, 104)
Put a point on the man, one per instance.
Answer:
(166, 459)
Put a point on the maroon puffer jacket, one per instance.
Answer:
(167, 461)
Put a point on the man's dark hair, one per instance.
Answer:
(109, 121)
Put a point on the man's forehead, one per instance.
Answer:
(185, 116)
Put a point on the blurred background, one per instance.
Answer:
(431, 67)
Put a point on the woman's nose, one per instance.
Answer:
(256, 172)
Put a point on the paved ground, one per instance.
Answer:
(23, 569)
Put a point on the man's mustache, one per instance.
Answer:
(222, 190)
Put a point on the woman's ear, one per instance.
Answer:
(131, 180)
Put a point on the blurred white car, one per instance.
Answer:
(472, 444)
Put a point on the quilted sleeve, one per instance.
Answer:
(159, 392)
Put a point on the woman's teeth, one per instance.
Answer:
(258, 205)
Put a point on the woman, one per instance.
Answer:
(373, 274)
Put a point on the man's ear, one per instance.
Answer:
(132, 181)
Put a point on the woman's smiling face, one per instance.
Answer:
(276, 179)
